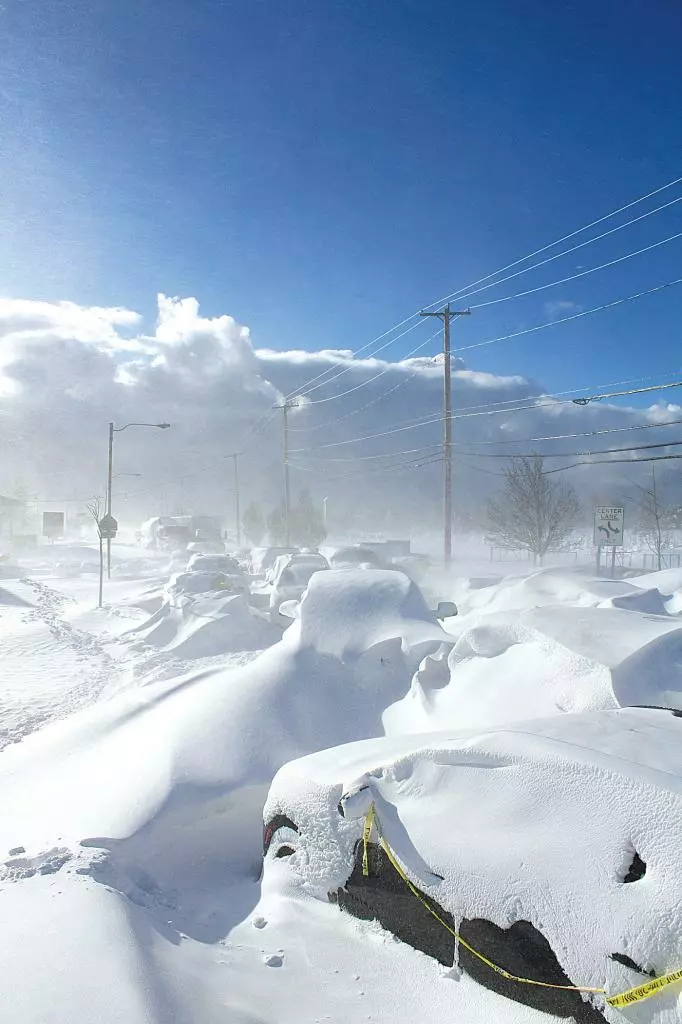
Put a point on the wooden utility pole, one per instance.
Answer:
(291, 403)
(446, 315)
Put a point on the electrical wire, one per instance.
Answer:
(485, 412)
(573, 316)
(582, 273)
(483, 405)
(509, 455)
(364, 383)
(361, 408)
(567, 252)
(468, 288)
(538, 252)
(613, 462)
(528, 330)
(562, 437)
(573, 455)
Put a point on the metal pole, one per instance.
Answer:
(237, 511)
(287, 495)
(101, 571)
(109, 480)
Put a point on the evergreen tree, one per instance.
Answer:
(307, 526)
(254, 524)
(276, 526)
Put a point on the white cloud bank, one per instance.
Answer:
(66, 370)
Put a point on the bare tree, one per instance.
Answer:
(96, 509)
(653, 519)
(533, 512)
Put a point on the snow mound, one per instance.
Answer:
(546, 587)
(564, 832)
(206, 626)
(170, 778)
(508, 666)
(668, 582)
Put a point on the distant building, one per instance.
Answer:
(13, 516)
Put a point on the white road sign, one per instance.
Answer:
(608, 526)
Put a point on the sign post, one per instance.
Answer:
(609, 521)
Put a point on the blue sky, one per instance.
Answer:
(319, 170)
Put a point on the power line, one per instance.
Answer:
(361, 408)
(585, 433)
(573, 316)
(517, 295)
(501, 270)
(573, 455)
(567, 252)
(460, 293)
(582, 273)
(364, 383)
(485, 412)
(613, 462)
(518, 334)
(482, 405)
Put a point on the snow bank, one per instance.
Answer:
(170, 778)
(546, 587)
(508, 666)
(568, 825)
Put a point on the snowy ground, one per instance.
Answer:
(140, 743)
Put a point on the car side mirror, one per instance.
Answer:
(446, 610)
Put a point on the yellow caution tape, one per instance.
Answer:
(366, 836)
(633, 995)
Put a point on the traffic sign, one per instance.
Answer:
(108, 527)
(608, 526)
(53, 524)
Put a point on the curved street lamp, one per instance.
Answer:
(110, 475)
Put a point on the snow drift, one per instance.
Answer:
(505, 667)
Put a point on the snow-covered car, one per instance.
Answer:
(312, 558)
(214, 563)
(357, 555)
(263, 559)
(535, 864)
(186, 584)
(291, 577)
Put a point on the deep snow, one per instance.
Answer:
(140, 805)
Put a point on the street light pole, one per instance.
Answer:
(110, 473)
(110, 478)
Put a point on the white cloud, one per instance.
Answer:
(561, 308)
(66, 370)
